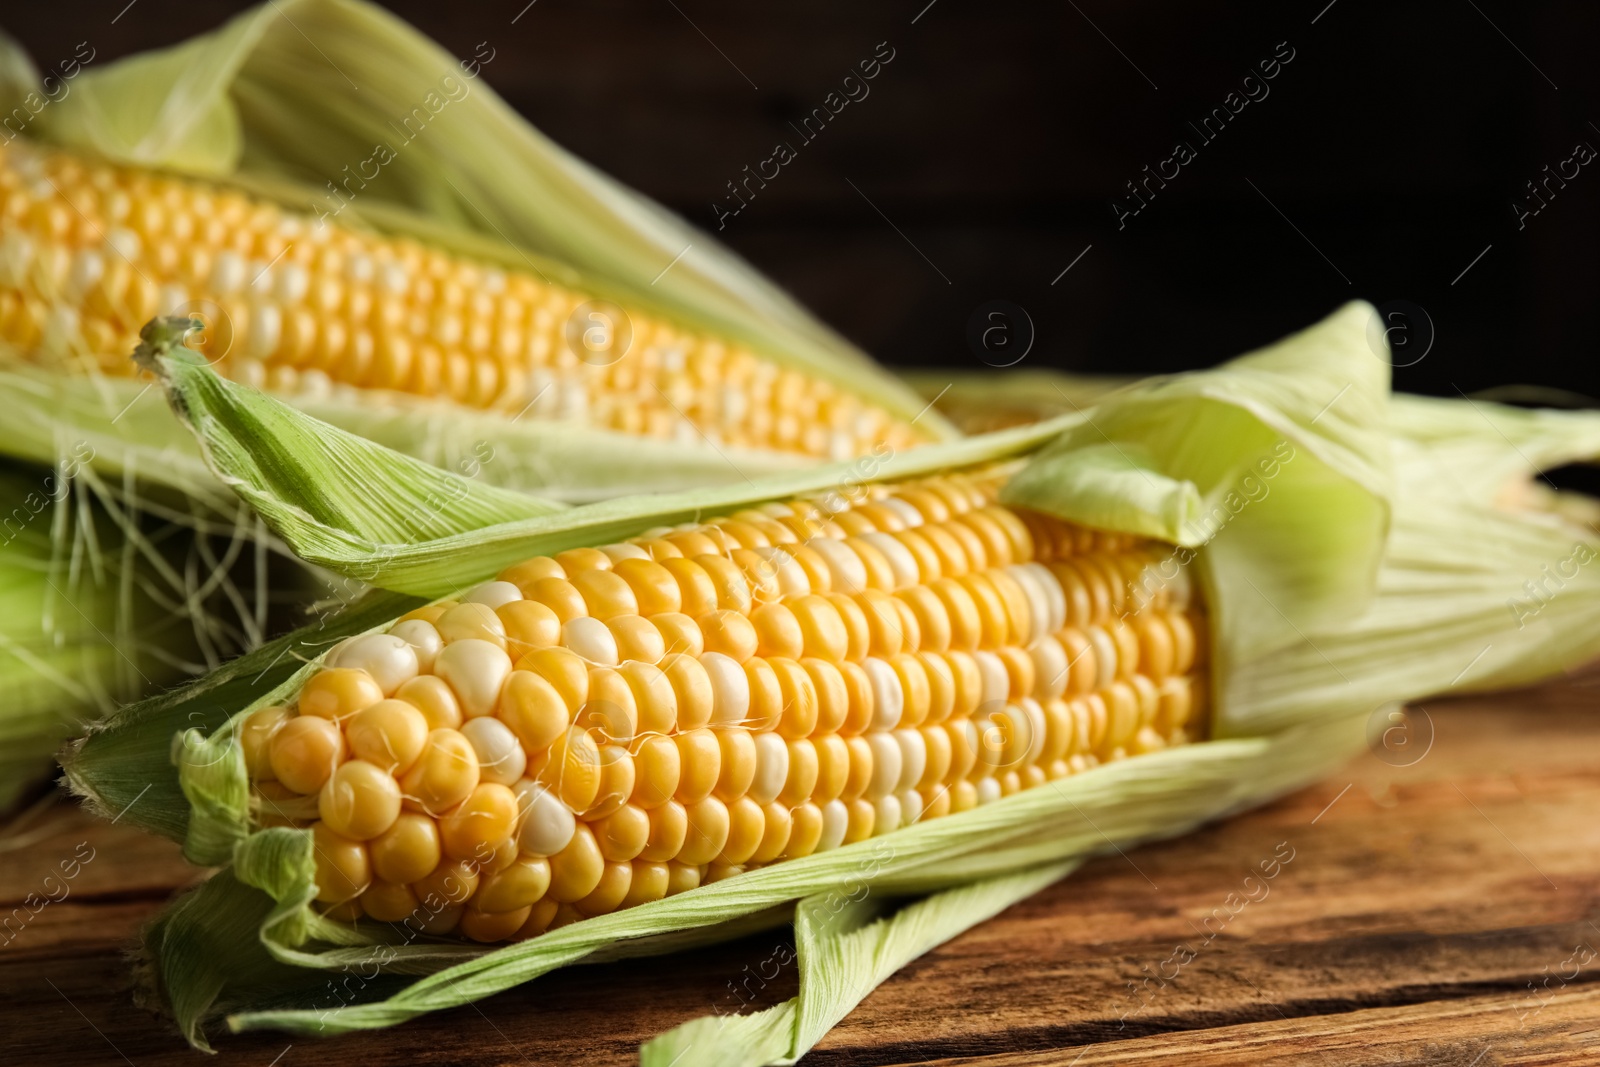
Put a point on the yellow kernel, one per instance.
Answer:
(576, 870)
(576, 560)
(343, 869)
(776, 824)
(707, 831)
(524, 575)
(803, 770)
(778, 632)
(444, 775)
(489, 927)
(560, 596)
(732, 591)
(637, 639)
(451, 882)
(805, 831)
(833, 696)
(859, 689)
(609, 894)
(471, 622)
(255, 736)
(654, 587)
(697, 592)
(360, 801)
(571, 769)
(669, 825)
(434, 698)
(605, 594)
(700, 762)
(408, 851)
(657, 766)
(390, 735)
(747, 824)
(623, 834)
(479, 824)
(335, 693)
(616, 782)
(649, 883)
(533, 710)
(679, 634)
(765, 708)
(563, 669)
(863, 819)
(519, 885)
(833, 767)
(798, 694)
(305, 751)
(611, 711)
(388, 902)
(654, 698)
(731, 633)
(737, 753)
(528, 625)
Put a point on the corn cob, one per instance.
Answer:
(92, 251)
(614, 724)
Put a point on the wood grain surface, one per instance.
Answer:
(1440, 905)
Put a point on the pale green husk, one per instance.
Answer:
(282, 98)
(1305, 576)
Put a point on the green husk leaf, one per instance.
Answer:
(845, 949)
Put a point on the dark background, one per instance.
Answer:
(1385, 160)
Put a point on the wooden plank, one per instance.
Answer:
(1419, 896)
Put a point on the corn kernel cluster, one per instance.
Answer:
(91, 252)
(615, 724)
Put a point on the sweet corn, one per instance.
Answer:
(92, 251)
(612, 725)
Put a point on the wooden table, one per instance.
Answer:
(1441, 913)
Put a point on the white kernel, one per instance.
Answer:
(423, 638)
(591, 639)
(547, 823)
(1036, 730)
(493, 594)
(228, 273)
(913, 756)
(849, 574)
(390, 660)
(1105, 655)
(88, 267)
(1038, 600)
(291, 281)
(251, 372)
(475, 670)
(988, 790)
(772, 768)
(888, 819)
(1050, 666)
(995, 679)
(125, 243)
(888, 698)
(730, 689)
(901, 561)
(500, 756)
(911, 806)
(314, 384)
(908, 512)
(619, 552)
(835, 822)
(1055, 599)
(886, 763)
(792, 580)
(265, 330)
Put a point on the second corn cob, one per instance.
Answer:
(91, 251)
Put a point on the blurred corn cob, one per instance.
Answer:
(91, 252)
